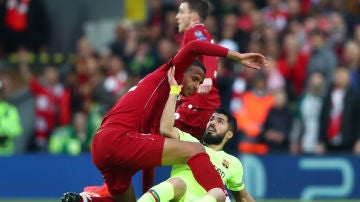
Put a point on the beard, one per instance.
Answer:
(210, 139)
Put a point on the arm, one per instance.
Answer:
(167, 118)
(196, 48)
(242, 196)
(211, 64)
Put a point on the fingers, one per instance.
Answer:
(171, 76)
(171, 71)
(204, 89)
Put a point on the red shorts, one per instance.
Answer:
(119, 153)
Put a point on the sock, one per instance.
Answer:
(161, 192)
(206, 198)
(147, 197)
(148, 178)
(204, 172)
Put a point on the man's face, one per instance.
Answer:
(183, 17)
(216, 129)
(193, 77)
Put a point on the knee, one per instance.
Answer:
(179, 187)
(197, 148)
(217, 193)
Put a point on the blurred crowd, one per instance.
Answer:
(306, 102)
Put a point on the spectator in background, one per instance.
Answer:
(52, 100)
(143, 61)
(352, 61)
(71, 139)
(275, 80)
(23, 24)
(340, 117)
(126, 39)
(356, 34)
(322, 57)
(275, 14)
(276, 129)
(95, 90)
(117, 77)
(292, 65)
(228, 33)
(165, 50)
(10, 125)
(305, 127)
(337, 33)
(251, 117)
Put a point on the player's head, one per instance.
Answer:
(193, 77)
(191, 12)
(220, 128)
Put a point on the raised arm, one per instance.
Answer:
(168, 116)
(195, 48)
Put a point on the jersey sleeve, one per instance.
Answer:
(183, 136)
(235, 181)
(192, 50)
(210, 62)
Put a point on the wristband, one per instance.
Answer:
(175, 90)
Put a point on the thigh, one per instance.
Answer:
(120, 156)
(178, 152)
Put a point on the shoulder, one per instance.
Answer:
(186, 136)
(198, 32)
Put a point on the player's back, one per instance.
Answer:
(141, 107)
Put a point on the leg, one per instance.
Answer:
(214, 195)
(180, 152)
(128, 196)
(147, 178)
(172, 189)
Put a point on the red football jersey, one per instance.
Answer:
(199, 105)
(212, 100)
(141, 107)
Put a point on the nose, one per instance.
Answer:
(196, 85)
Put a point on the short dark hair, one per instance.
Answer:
(202, 7)
(198, 63)
(231, 119)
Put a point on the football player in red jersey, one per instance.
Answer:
(128, 139)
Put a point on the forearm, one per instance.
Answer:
(168, 118)
(194, 49)
(233, 55)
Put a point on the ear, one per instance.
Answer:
(195, 17)
(229, 134)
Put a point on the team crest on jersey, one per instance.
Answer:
(226, 163)
(199, 35)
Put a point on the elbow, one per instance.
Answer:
(165, 131)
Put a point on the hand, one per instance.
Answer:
(171, 78)
(250, 60)
(205, 87)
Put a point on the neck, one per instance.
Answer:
(216, 147)
(192, 24)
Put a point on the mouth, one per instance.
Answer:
(211, 129)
